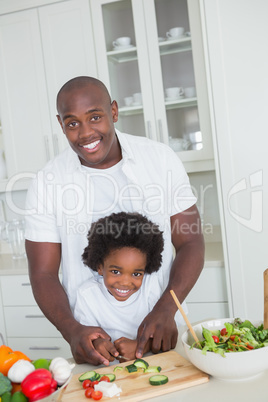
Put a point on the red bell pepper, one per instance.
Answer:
(38, 384)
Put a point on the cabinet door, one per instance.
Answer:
(68, 47)
(24, 107)
(150, 64)
(177, 61)
(125, 68)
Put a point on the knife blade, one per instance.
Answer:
(122, 357)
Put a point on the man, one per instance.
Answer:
(106, 171)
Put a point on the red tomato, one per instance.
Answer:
(96, 395)
(105, 378)
(88, 392)
(94, 383)
(216, 338)
(232, 337)
(249, 346)
(223, 331)
(86, 384)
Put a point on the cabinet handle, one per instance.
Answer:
(26, 284)
(160, 129)
(149, 129)
(44, 348)
(55, 144)
(34, 316)
(47, 147)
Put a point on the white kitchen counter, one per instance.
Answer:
(9, 266)
(212, 391)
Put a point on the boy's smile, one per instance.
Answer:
(123, 271)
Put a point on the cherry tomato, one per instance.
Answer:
(223, 331)
(96, 395)
(249, 346)
(216, 338)
(232, 337)
(86, 384)
(105, 378)
(94, 383)
(88, 392)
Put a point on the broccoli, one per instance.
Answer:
(5, 384)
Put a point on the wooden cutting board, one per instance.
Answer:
(135, 386)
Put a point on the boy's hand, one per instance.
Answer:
(126, 347)
(106, 348)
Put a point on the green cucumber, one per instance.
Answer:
(131, 368)
(141, 363)
(118, 368)
(89, 375)
(153, 369)
(158, 379)
(110, 376)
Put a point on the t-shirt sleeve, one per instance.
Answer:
(82, 311)
(40, 219)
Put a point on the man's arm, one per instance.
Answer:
(44, 261)
(188, 242)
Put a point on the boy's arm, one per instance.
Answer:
(188, 241)
(44, 262)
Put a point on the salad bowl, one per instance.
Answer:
(231, 366)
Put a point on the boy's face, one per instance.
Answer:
(87, 119)
(123, 271)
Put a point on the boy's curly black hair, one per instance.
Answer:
(120, 230)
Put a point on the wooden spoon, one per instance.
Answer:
(265, 280)
(185, 317)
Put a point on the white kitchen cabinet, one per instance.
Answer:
(149, 65)
(26, 327)
(208, 298)
(40, 49)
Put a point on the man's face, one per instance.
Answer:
(87, 119)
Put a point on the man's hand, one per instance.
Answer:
(85, 345)
(126, 347)
(159, 327)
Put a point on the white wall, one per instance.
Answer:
(237, 37)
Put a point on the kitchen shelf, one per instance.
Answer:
(165, 47)
(175, 46)
(123, 55)
(178, 103)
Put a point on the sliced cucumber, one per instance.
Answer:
(141, 363)
(153, 369)
(131, 368)
(111, 376)
(158, 379)
(118, 368)
(88, 375)
(98, 376)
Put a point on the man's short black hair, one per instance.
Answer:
(120, 230)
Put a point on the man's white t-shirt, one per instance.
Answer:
(61, 202)
(95, 306)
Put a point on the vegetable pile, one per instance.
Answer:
(239, 336)
(23, 380)
(96, 385)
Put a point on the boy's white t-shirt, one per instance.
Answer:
(95, 306)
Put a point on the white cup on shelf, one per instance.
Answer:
(175, 32)
(137, 98)
(190, 92)
(122, 41)
(174, 92)
(128, 100)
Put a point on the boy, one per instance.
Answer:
(125, 249)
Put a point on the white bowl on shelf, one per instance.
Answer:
(236, 366)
